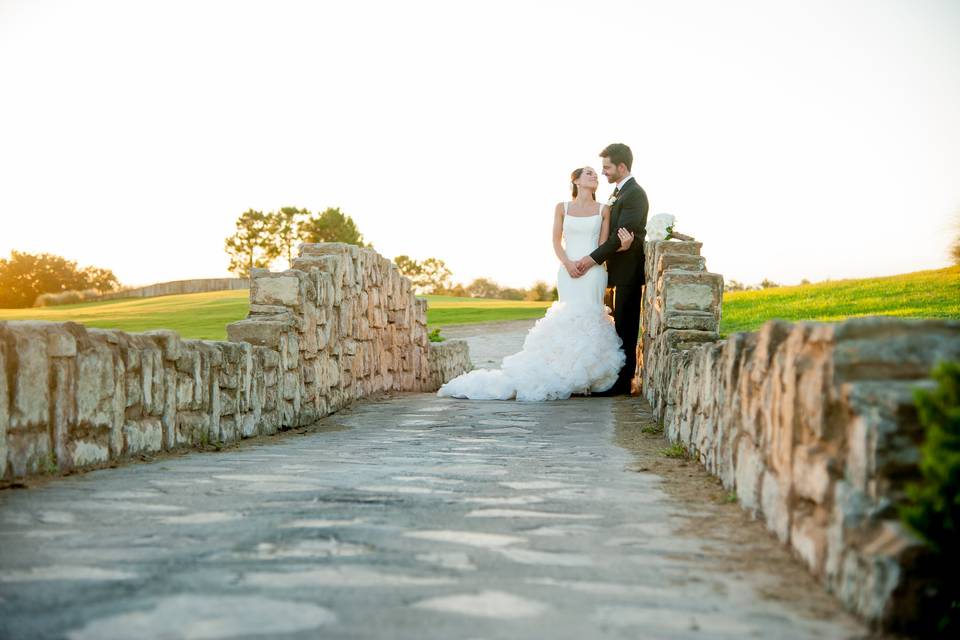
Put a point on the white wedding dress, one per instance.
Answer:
(574, 348)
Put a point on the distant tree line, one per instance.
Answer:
(262, 238)
(25, 276)
(432, 277)
(766, 283)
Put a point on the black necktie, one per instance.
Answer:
(616, 192)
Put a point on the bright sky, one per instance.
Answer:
(816, 139)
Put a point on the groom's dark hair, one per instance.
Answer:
(618, 152)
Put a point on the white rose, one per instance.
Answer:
(657, 226)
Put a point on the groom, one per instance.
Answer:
(624, 269)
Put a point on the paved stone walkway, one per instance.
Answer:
(411, 517)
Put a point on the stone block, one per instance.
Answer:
(4, 403)
(269, 359)
(64, 405)
(184, 392)
(168, 341)
(680, 261)
(192, 428)
(29, 452)
(749, 472)
(228, 401)
(228, 429)
(143, 436)
(169, 418)
(86, 452)
(60, 342)
(264, 333)
(775, 504)
(813, 470)
(95, 385)
(808, 537)
(679, 339)
(883, 348)
(691, 320)
(248, 425)
(691, 291)
(29, 389)
(276, 290)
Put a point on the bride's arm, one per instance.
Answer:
(558, 234)
(567, 263)
(605, 225)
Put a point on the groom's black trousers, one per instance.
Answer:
(626, 317)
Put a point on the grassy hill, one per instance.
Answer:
(924, 294)
(444, 310)
(206, 315)
(192, 315)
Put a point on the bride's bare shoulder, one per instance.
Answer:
(558, 209)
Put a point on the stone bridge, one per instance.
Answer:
(345, 500)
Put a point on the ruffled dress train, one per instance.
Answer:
(573, 349)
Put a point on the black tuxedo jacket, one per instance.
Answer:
(628, 212)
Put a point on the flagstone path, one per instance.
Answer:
(409, 517)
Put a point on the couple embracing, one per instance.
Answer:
(577, 348)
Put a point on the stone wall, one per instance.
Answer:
(343, 324)
(811, 424)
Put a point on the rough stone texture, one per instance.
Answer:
(812, 424)
(408, 518)
(447, 361)
(343, 325)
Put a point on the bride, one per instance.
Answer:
(574, 348)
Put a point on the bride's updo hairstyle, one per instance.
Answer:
(573, 178)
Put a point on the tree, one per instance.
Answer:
(483, 288)
(428, 277)
(459, 291)
(331, 226)
(100, 279)
(768, 284)
(249, 247)
(284, 229)
(435, 276)
(540, 291)
(509, 293)
(734, 285)
(408, 266)
(24, 276)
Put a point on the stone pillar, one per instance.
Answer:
(812, 424)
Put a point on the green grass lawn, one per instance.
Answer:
(192, 315)
(446, 310)
(924, 294)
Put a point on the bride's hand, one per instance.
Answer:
(572, 268)
(626, 239)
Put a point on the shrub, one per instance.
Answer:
(65, 297)
(933, 503)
